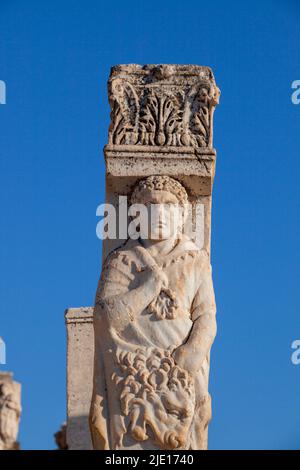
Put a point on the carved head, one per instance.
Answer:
(164, 198)
(203, 95)
(157, 397)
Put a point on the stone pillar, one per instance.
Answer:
(154, 317)
(161, 124)
(80, 356)
(10, 411)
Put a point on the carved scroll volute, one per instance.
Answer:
(214, 101)
(197, 121)
(124, 104)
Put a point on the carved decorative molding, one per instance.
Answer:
(162, 105)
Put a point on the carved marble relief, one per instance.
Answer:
(10, 411)
(162, 105)
(154, 325)
(154, 316)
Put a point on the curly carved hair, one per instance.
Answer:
(159, 183)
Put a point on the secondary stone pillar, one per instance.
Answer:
(10, 411)
(80, 357)
(154, 317)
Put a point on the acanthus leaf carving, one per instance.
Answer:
(153, 108)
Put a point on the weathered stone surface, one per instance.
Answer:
(154, 318)
(10, 411)
(162, 105)
(161, 124)
(80, 356)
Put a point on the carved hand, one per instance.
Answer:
(155, 276)
(187, 359)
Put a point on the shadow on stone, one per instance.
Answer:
(78, 433)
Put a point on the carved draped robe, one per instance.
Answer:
(142, 399)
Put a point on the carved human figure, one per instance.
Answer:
(10, 411)
(154, 325)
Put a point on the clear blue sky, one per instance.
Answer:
(55, 58)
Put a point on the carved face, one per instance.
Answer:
(164, 215)
(203, 95)
(157, 398)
